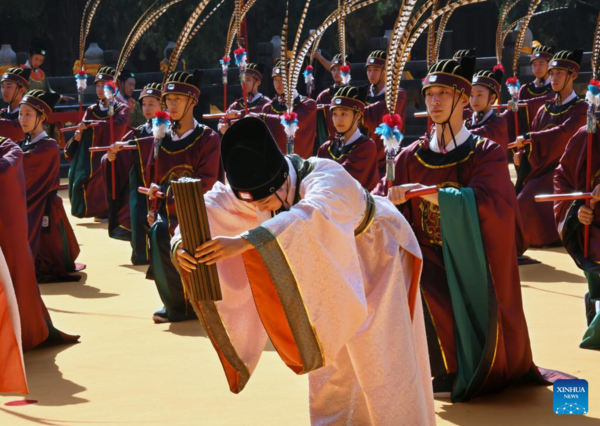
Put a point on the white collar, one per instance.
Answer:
(485, 117)
(121, 98)
(175, 138)
(372, 91)
(353, 138)
(103, 108)
(569, 98)
(37, 138)
(255, 97)
(27, 64)
(12, 111)
(461, 137)
(546, 82)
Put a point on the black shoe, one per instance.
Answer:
(442, 385)
(590, 309)
(160, 316)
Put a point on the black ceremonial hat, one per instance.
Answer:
(254, 165)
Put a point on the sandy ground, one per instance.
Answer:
(127, 370)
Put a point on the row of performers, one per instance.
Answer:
(317, 204)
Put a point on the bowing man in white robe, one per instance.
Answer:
(328, 272)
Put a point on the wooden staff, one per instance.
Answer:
(112, 166)
(73, 128)
(591, 127)
(421, 192)
(108, 148)
(513, 145)
(564, 197)
(146, 191)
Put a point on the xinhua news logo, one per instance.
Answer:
(571, 397)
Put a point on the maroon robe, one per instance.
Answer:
(119, 217)
(197, 155)
(527, 114)
(479, 164)
(36, 325)
(239, 105)
(51, 237)
(87, 189)
(551, 130)
(570, 177)
(306, 108)
(9, 125)
(493, 128)
(324, 99)
(374, 112)
(358, 158)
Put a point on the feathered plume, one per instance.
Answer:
(110, 89)
(513, 84)
(522, 33)
(309, 79)
(86, 22)
(431, 45)
(390, 132)
(501, 31)
(161, 124)
(184, 38)
(232, 32)
(148, 18)
(307, 46)
(596, 52)
(206, 18)
(81, 80)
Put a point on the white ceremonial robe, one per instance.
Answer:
(12, 365)
(346, 309)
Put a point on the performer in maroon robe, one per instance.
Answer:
(87, 191)
(484, 121)
(555, 123)
(375, 101)
(36, 325)
(306, 108)
(131, 208)
(189, 150)
(14, 83)
(324, 98)
(120, 226)
(571, 216)
(350, 148)
(252, 80)
(51, 236)
(478, 343)
(534, 93)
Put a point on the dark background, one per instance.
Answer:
(57, 23)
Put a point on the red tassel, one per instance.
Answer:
(162, 115)
(512, 80)
(290, 116)
(499, 67)
(345, 68)
(392, 120)
(239, 51)
(309, 68)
